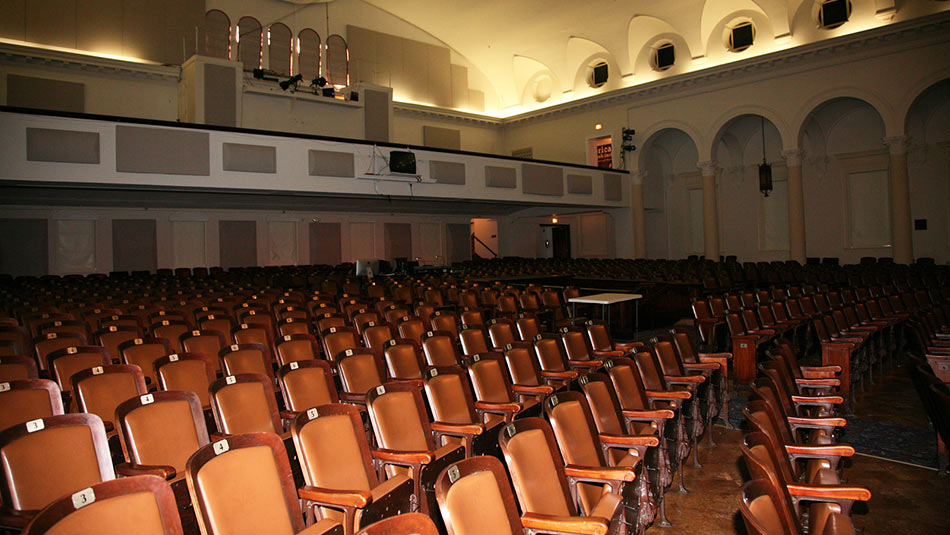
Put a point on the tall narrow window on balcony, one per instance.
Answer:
(217, 34)
(279, 49)
(338, 61)
(308, 54)
(250, 40)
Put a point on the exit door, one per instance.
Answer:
(555, 241)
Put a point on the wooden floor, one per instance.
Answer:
(906, 499)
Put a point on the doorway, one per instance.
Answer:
(484, 237)
(556, 241)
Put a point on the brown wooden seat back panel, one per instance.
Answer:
(330, 454)
(534, 473)
(243, 408)
(162, 434)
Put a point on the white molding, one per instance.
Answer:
(33, 55)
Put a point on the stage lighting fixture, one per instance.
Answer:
(292, 81)
(319, 81)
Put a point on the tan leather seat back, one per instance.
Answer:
(473, 341)
(402, 361)
(22, 405)
(295, 350)
(242, 493)
(65, 367)
(477, 507)
(144, 357)
(188, 375)
(602, 408)
(44, 465)
(208, 344)
(488, 380)
(439, 351)
(162, 433)
(172, 333)
(627, 387)
(359, 373)
(377, 335)
(101, 394)
(305, 388)
(132, 513)
(521, 367)
(246, 361)
(599, 338)
(534, 474)
(330, 454)
(13, 371)
(396, 422)
(528, 328)
(575, 346)
(766, 515)
(668, 359)
(339, 341)
(573, 435)
(501, 334)
(649, 374)
(549, 355)
(243, 409)
(447, 399)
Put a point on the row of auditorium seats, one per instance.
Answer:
(570, 348)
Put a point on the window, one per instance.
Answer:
(597, 73)
(250, 40)
(217, 34)
(833, 13)
(338, 61)
(279, 51)
(741, 36)
(664, 56)
(308, 54)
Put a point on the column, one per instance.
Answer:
(898, 185)
(710, 211)
(796, 205)
(639, 219)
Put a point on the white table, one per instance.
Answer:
(605, 300)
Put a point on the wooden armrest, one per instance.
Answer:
(764, 331)
(353, 397)
(648, 415)
(582, 525)
(829, 450)
(716, 356)
(130, 470)
(834, 422)
(834, 400)
(608, 353)
(526, 389)
(600, 473)
(19, 519)
(560, 375)
(669, 394)
(745, 337)
(110, 427)
(458, 429)
(702, 366)
(497, 407)
(831, 368)
(836, 492)
(288, 415)
(818, 382)
(418, 383)
(684, 379)
(218, 436)
(347, 498)
(404, 457)
(629, 441)
(592, 363)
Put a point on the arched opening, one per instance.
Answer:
(668, 162)
(280, 49)
(250, 39)
(217, 34)
(338, 61)
(308, 54)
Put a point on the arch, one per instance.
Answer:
(580, 54)
(892, 127)
(918, 89)
(528, 72)
(644, 30)
(718, 12)
(280, 49)
(217, 34)
(650, 134)
(308, 53)
(730, 115)
(337, 69)
(250, 40)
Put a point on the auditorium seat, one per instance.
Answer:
(335, 340)
(305, 384)
(242, 484)
(73, 359)
(246, 358)
(440, 349)
(359, 370)
(141, 504)
(99, 390)
(524, 369)
(494, 392)
(408, 524)
(15, 367)
(22, 400)
(403, 358)
(455, 417)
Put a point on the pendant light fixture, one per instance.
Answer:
(765, 170)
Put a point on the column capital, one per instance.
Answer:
(897, 144)
(708, 167)
(793, 157)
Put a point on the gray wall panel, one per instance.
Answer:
(24, 247)
(447, 172)
(579, 184)
(542, 179)
(134, 245)
(325, 243)
(45, 94)
(249, 158)
(161, 151)
(612, 187)
(220, 99)
(69, 146)
(331, 163)
(238, 243)
(501, 177)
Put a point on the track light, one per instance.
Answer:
(292, 81)
(319, 81)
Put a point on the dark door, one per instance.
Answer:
(561, 236)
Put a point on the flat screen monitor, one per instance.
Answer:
(402, 161)
(367, 268)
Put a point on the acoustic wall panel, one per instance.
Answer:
(442, 138)
(188, 243)
(375, 115)
(331, 163)
(325, 243)
(134, 245)
(220, 98)
(238, 243)
(68, 146)
(430, 246)
(447, 172)
(398, 238)
(612, 187)
(542, 179)
(249, 158)
(282, 241)
(24, 247)
(362, 241)
(161, 151)
(459, 240)
(45, 94)
(580, 184)
(74, 246)
(501, 177)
